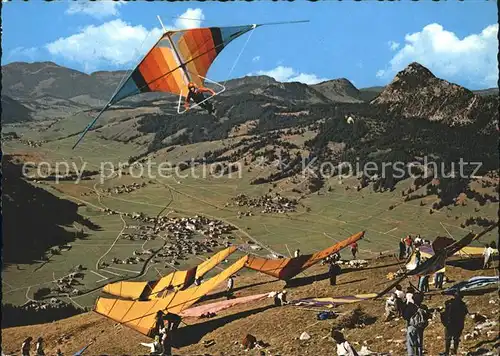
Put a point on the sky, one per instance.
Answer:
(366, 42)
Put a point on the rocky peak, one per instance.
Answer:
(338, 90)
(416, 92)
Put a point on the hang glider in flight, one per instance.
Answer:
(178, 58)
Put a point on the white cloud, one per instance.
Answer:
(393, 45)
(256, 59)
(472, 59)
(288, 74)
(191, 18)
(115, 42)
(23, 52)
(98, 9)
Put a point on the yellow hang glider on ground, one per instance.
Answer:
(178, 280)
(141, 315)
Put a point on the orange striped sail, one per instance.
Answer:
(287, 268)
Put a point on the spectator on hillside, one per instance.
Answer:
(423, 283)
(391, 309)
(296, 253)
(230, 285)
(400, 299)
(39, 347)
(26, 346)
(416, 315)
(354, 250)
(488, 251)
(409, 294)
(333, 271)
(418, 257)
(402, 249)
(409, 245)
(344, 348)
(453, 319)
(439, 279)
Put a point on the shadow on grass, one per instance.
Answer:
(192, 334)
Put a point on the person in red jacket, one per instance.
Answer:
(354, 249)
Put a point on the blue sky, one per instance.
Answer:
(366, 42)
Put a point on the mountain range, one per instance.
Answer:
(38, 90)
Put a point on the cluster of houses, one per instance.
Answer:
(184, 236)
(270, 203)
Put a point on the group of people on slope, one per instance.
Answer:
(163, 334)
(410, 307)
(26, 347)
(408, 244)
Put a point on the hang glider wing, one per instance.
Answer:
(175, 280)
(140, 315)
(177, 58)
(287, 268)
(222, 305)
(208, 265)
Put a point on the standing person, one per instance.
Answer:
(159, 324)
(391, 308)
(230, 285)
(418, 241)
(453, 319)
(400, 299)
(39, 347)
(354, 250)
(488, 251)
(333, 271)
(296, 253)
(408, 243)
(344, 348)
(439, 279)
(418, 257)
(409, 294)
(416, 316)
(26, 346)
(423, 283)
(402, 249)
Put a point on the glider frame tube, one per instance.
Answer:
(201, 102)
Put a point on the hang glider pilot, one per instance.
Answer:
(196, 93)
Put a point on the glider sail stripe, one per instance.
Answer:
(287, 268)
(140, 315)
(205, 267)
